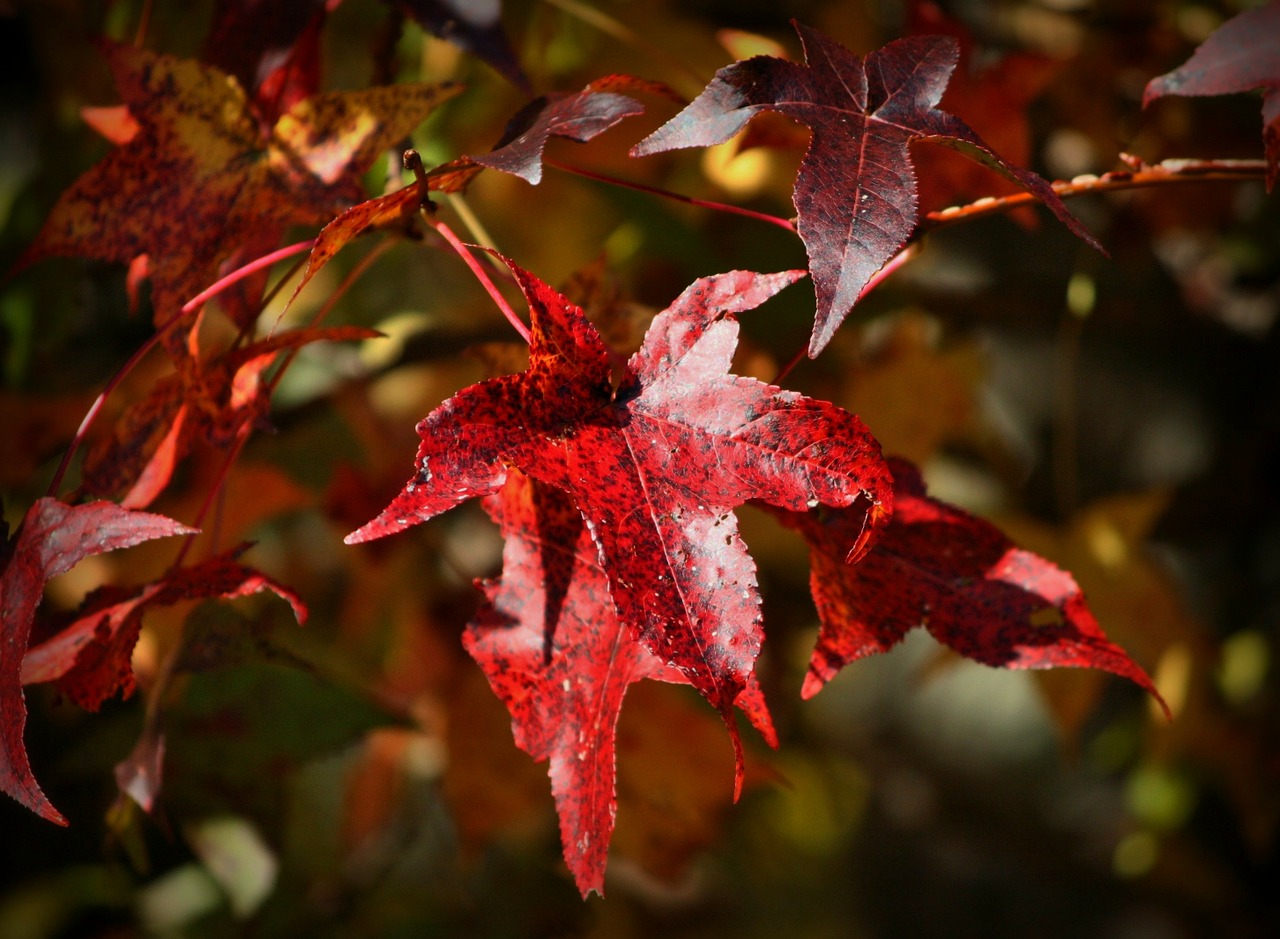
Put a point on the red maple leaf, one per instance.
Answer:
(1243, 54)
(198, 178)
(551, 645)
(655, 466)
(855, 194)
(958, 576)
(90, 658)
(54, 538)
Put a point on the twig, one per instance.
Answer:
(1140, 175)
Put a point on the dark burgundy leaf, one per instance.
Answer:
(1241, 55)
(579, 117)
(855, 195)
(54, 537)
(958, 576)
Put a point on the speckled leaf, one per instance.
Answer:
(90, 658)
(54, 537)
(199, 178)
(1240, 55)
(655, 468)
(551, 645)
(580, 117)
(855, 195)
(954, 574)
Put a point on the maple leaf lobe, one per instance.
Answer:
(958, 576)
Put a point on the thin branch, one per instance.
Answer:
(1140, 175)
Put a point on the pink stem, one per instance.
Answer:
(95, 408)
(668, 194)
(483, 276)
(241, 273)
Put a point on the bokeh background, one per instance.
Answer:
(356, 778)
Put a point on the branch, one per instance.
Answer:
(1140, 175)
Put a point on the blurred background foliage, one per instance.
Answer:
(357, 778)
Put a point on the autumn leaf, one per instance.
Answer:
(394, 211)
(211, 400)
(554, 651)
(855, 194)
(655, 467)
(198, 178)
(1238, 56)
(54, 537)
(958, 576)
(991, 95)
(90, 658)
(580, 117)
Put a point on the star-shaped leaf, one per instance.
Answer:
(198, 178)
(855, 195)
(655, 467)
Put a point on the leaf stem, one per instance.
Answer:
(355, 274)
(481, 275)
(91, 415)
(668, 194)
(95, 409)
(241, 273)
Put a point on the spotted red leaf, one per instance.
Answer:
(54, 537)
(90, 658)
(579, 117)
(855, 195)
(199, 178)
(552, 647)
(655, 467)
(958, 576)
(1240, 55)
